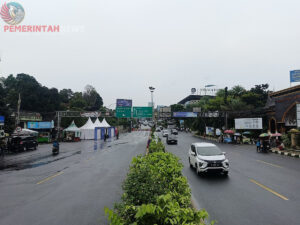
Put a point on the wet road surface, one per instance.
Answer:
(70, 188)
(261, 189)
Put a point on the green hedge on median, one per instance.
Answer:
(155, 192)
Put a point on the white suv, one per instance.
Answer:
(206, 157)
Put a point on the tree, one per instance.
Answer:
(92, 98)
(237, 91)
(177, 108)
(77, 101)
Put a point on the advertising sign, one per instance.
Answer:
(123, 112)
(210, 131)
(2, 119)
(142, 112)
(124, 103)
(39, 125)
(185, 114)
(248, 124)
(295, 76)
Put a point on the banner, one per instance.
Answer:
(2, 119)
(39, 125)
(295, 76)
(248, 124)
(210, 131)
(185, 114)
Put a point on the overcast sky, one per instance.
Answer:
(125, 46)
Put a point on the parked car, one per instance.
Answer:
(165, 133)
(158, 130)
(21, 143)
(206, 157)
(171, 139)
(174, 131)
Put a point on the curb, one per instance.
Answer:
(285, 153)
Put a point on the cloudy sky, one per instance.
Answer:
(125, 46)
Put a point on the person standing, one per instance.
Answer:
(258, 146)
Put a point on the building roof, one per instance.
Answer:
(285, 91)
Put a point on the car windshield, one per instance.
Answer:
(209, 151)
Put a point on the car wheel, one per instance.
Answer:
(225, 173)
(191, 166)
(34, 147)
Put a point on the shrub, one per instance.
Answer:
(156, 146)
(155, 192)
(286, 139)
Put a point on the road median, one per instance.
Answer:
(156, 192)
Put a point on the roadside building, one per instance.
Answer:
(281, 109)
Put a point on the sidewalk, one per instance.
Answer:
(291, 153)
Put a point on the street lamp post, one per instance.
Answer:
(152, 90)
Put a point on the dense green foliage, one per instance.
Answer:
(38, 98)
(155, 192)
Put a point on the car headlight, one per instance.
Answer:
(202, 163)
(226, 163)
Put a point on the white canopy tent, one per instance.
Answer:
(97, 123)
(104, 124)
(87, 130)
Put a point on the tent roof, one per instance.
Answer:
(72, 127)
(88, 125)
(104, 123)
(97, 123)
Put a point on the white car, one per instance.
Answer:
(165, 133)
(206, 157)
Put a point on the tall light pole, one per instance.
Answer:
(152, 90)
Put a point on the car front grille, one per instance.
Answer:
(214, 164)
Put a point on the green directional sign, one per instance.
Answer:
(142, 112)
(123, 112)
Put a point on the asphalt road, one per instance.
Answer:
(261, 189)
(71, 188)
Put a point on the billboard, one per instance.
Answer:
(248, 124)
(142, 112)
(124, 103)
(185, 114)
(2, 119)
(123, 112)
(39, 125)
(295, 76)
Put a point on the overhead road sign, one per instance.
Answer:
(185, 114)
(123, 112)
(142, 112)
(124, 103)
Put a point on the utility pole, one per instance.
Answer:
(18, 111)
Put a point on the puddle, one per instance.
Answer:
(30, 164)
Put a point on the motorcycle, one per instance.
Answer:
(55, 148)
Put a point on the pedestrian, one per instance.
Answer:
(258, 146)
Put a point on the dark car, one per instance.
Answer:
(174, 131)
(171, 139)
(21, 143)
